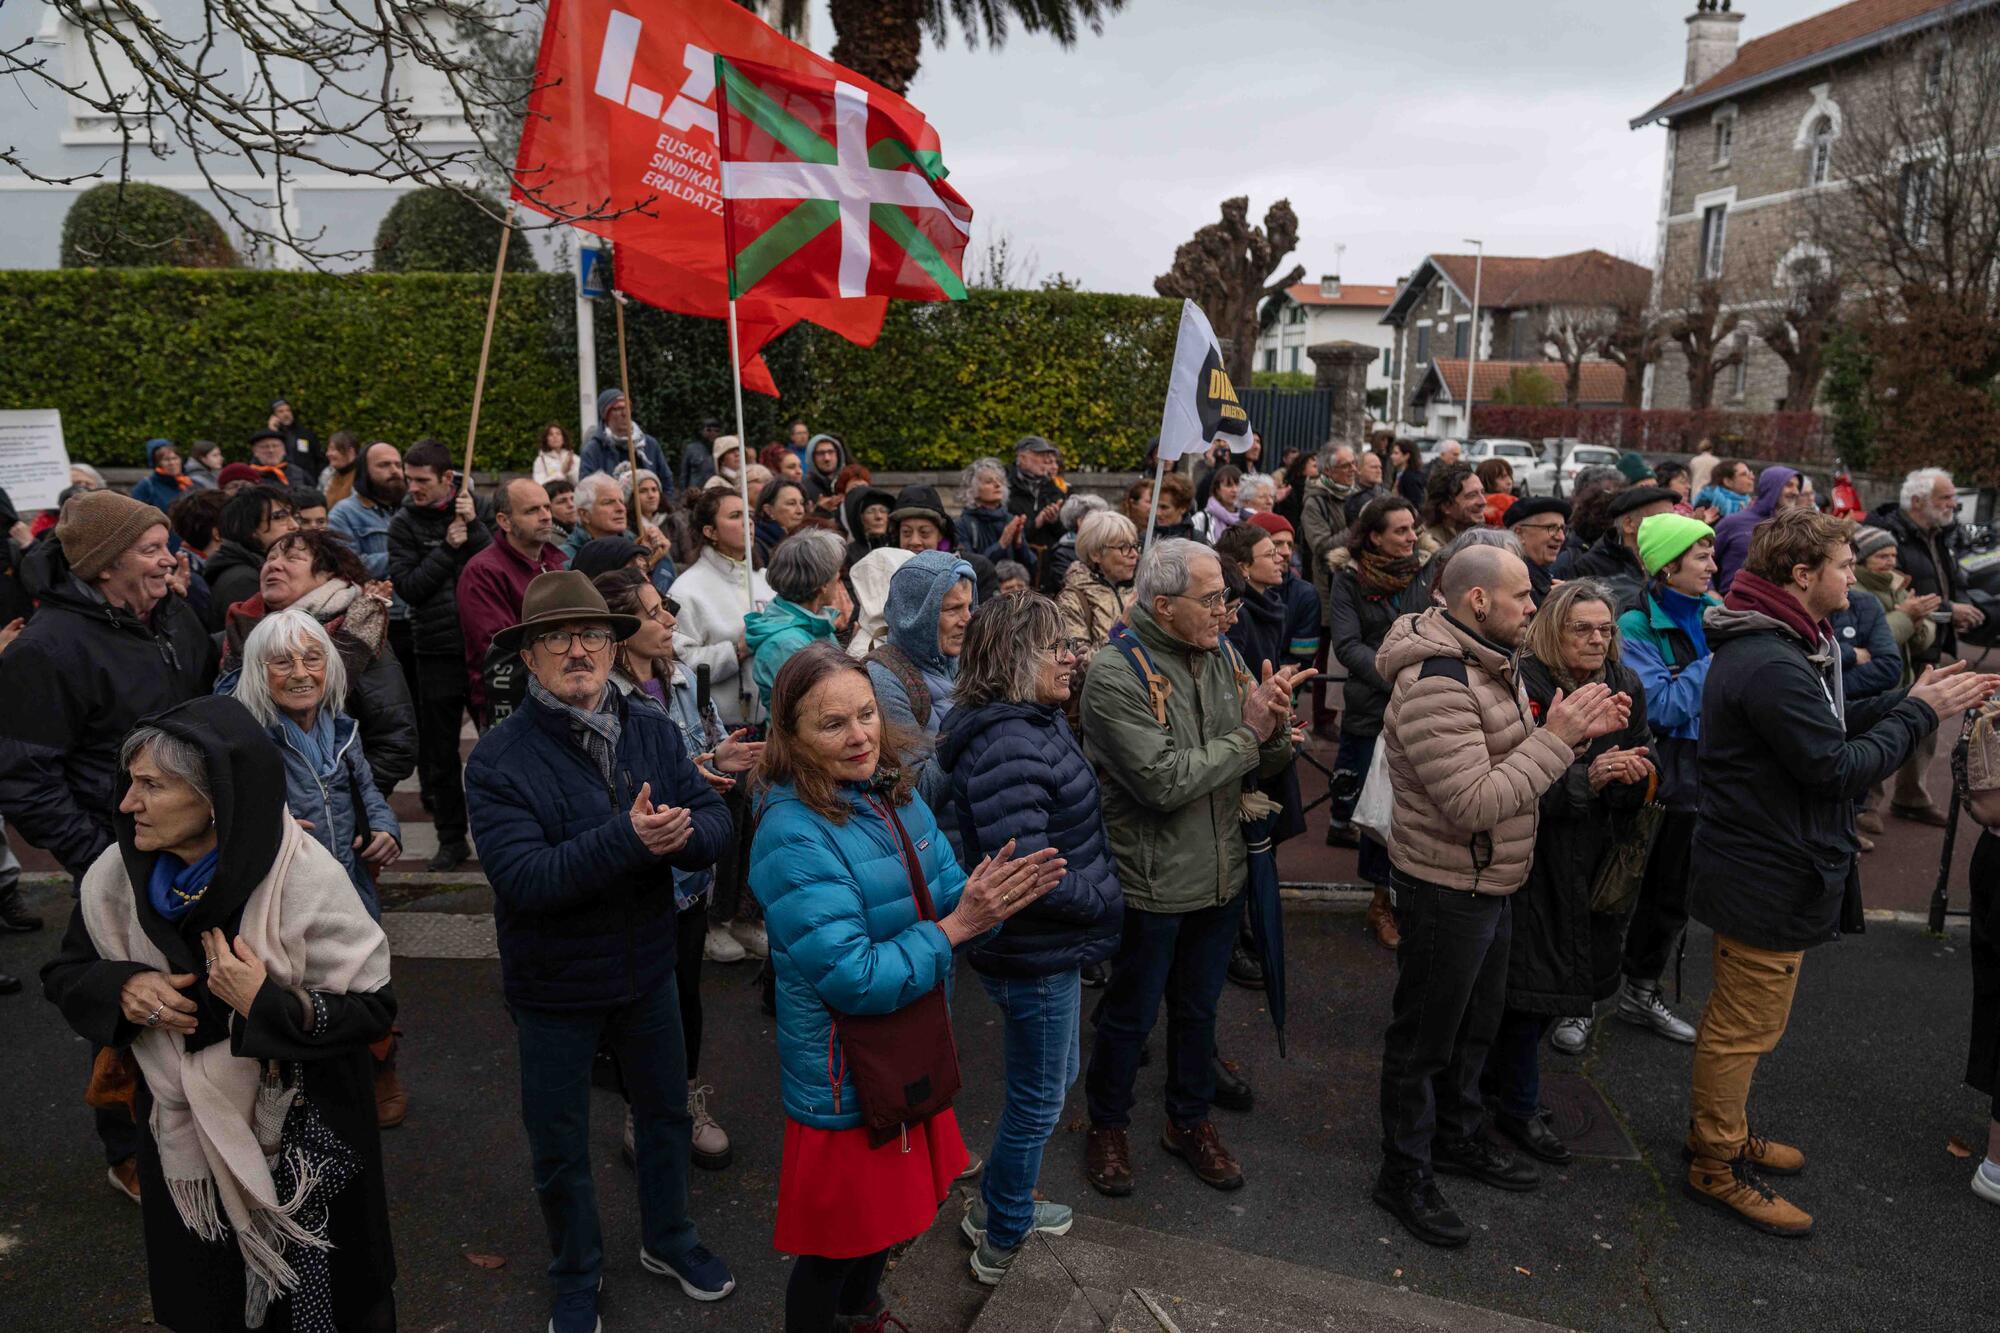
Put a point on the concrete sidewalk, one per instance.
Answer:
(1866, 1082)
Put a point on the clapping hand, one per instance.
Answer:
(1919, 605)
(1000, 886)
(1587, 713)
(1951, 689)
(1269, 705)
(664, 829)
(736, 755)
(235, 974)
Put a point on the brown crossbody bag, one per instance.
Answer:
(905, 1064)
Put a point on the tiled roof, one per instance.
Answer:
(1817, 36)
(1603, 382)
(1589, 277)
(1351, 294)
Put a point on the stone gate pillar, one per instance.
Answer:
(1343, 368)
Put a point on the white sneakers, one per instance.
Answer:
(1986, 1181)
(1570, 1035)
(735, 941)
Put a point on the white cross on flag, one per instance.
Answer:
(830, 191)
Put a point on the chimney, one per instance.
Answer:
(1329, 286)
(1711, 41)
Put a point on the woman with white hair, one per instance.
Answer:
(1098, 585)
(1055, 562)
(984, 526)
(222, 952)
(293, 682)
(1257, 495)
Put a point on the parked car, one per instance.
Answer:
(1580, 456)
(1533, 474)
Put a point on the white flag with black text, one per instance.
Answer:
(1201, 402)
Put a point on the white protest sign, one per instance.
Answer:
(34, 466)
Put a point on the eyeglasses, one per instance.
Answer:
(312, 661)
(1590, 631)
(1541, 527)
(1212, 602)
(558, 640)
(1061, 648)
(1123, 548)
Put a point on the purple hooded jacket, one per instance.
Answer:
(1732, 534)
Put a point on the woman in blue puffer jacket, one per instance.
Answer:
(1018, 775)
(842, 839)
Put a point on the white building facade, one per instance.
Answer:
(1329, 311)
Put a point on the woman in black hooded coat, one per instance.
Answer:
(196, 1285)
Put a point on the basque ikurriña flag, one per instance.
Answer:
(830, 190)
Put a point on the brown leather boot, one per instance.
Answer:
(1736, 1188)
(392, 1104)
(1201, 1148)
(1382, 920)
(1107, 1162)
(1770, 1157)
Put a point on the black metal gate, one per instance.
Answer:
(1288, 418)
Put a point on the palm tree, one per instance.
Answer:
(884, 39)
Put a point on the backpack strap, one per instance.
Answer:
(898, 664)
(1158, 688)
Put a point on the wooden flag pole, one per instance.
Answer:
(1153, 510)
(486, 342)
(631, 434)
(742, 466)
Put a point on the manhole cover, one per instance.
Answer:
(1581, 1119)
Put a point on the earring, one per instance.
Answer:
(1479, 616)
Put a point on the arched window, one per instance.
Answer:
(1821, 169)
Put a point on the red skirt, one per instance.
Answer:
(840, 1198)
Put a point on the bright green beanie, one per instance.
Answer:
(1665, 538)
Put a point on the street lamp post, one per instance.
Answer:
(1472, 340)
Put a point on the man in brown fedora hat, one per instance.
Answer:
(583, 801)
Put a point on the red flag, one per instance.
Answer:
(830, 190)
(623, 121)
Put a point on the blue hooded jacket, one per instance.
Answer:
(603, 452)
(1732, 534)
(340, 804)
(1017, 772)
(154, 489)
(916, 595)
(844, 933)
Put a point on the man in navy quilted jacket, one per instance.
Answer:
(583, 802)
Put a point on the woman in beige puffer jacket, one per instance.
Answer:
(1094, 588)
(1467, 763)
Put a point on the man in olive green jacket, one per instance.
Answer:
(1175, 726)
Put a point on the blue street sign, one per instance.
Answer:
(593, 272)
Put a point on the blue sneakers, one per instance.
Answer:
(576, 1311)
(701, 1275)
(1051, 1219)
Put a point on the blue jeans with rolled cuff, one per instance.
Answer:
(1039, 1021)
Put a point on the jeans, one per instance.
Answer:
(1662, 911)
(1355, 754)
(1451, 986)
(441, 702)
(1040, 1017)
(556, 1051)
(1183, 958)
(1514, 1065)
(1748, 1008)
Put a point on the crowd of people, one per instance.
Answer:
(858, 735)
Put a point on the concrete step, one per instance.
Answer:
(929, 1285)
(1205, 1287)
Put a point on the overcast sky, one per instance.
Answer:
(1395, 127)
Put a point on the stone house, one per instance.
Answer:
(1328, 311)
(1754, 160)
(1523, 302)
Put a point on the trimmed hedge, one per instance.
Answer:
(446, 231)
(135, 225)
(129, 354)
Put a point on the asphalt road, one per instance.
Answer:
(1866, 1082)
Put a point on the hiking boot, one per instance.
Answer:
(1107, 1162)
(1986, 1181)
(1870, 822)
(702, 1276)
(1570, 1035)
(1639, 1004)
(1487, 1163)
(15, 918)
(1232, 1090)
(1534, 1136)
(450, 856)
(1201, 1148)
(1768, 1156)
(1382, 921)
(1246, 969)
(750, 936)
(1419, 1205)
(709, 1148)
(1051, 1219)
(124, 1178)
(1736, 1188)
(1921, 814)
(719, 946)
(392, 1104)
(989, 1265)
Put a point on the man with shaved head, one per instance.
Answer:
(1468, 765)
